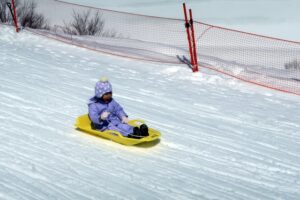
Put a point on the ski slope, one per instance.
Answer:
(221, 138)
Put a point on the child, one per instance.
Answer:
(106, 114)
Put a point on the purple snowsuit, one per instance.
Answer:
(97, 106)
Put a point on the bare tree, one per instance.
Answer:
(5, 14)
(295, 64)
(28, 16)
(85, 24)
(110, 33)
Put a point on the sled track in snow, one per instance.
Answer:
(214, 145)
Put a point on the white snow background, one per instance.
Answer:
(221, 138)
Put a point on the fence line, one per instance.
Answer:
(266, 61)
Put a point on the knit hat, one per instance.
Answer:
(102, 87)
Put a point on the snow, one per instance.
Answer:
(221, 138)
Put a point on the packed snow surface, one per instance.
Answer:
(221, 138)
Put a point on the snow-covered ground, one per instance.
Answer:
(221, 138)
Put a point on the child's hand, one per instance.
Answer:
(125, 120)
(104, 115)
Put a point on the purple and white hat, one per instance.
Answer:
(102, 87)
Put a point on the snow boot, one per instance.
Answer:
(136, 133)
(144, 130)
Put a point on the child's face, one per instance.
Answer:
(107, 96)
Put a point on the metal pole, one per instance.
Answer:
(187, 26)
(195, 68)
(15, 15)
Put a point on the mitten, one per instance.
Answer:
(104, 115)
(125, 120)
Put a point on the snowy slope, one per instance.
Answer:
(221, 138)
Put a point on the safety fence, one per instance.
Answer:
(265, 61)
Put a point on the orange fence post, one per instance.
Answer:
(187, 26)
(15, 15)
(195, 67)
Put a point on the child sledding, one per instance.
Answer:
(107, 118)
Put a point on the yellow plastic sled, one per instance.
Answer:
(83, 123)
